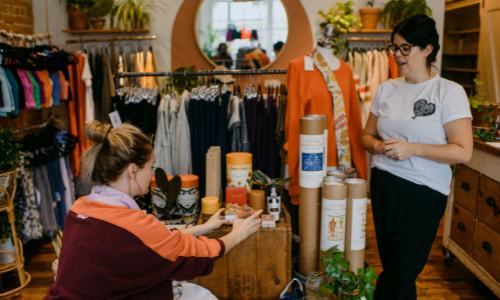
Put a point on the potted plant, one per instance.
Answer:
(396, 11)
(9, 156)
(343, 19)
(98, 11)
(484, 115)
(264, 182)
(6, 242)
(77, 13)
(133, 13)
(343, 284)
(370, 16)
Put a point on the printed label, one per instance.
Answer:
(358, 232)
(115, 119)
(311, 160)
(333, 220)
(239, 175)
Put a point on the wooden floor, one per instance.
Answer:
(436, 282)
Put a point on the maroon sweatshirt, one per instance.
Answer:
(114, 252)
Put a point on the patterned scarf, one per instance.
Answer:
(340, 117)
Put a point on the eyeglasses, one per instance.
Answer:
(405, 49)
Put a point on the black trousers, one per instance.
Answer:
(406, 217)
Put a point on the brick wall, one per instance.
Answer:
(17, 16)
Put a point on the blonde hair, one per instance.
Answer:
(113, 151)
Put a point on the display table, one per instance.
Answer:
(259, 267)
(472, 218)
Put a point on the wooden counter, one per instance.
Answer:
(472, 218)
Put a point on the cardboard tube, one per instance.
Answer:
(356, 223)
(333, 217)
(325, 131)
(310, 180)
(257, 200)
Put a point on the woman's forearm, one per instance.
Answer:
(230, 240)
(197, 230)
(372, 144)
(448, 154)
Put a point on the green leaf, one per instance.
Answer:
(259, 176)
(493, 127)
(332, 250)
(490, 108)
(323, 288)
(282, 181)
(480, 108)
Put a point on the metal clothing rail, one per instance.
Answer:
(362, 39)
(111, 41)
(199, 73)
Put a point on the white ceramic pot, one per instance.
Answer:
(7, 246)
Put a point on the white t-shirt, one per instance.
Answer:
(416, 113)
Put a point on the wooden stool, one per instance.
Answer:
(8, 205)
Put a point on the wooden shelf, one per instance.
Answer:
(461, 54)
(466, 85)
(464, 70)
(370, 31)
(460, 4)
(105, 31)
(466, 31)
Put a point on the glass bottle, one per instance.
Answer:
(312, 286)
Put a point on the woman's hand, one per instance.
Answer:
(243, 229)
(398, 149)
(216, 221)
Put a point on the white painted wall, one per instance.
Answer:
(164, 21)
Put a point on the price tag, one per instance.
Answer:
(115, 119)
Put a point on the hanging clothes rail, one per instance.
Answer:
(362, 39)
(199, 73)
(111, 41)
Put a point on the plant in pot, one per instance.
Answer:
(484, 115)
(77, 13)
(133, 13)
(6, 242)
(370, 16)
(343, 19)
(98, 11)
(396, 11)
(171, 190)
(264, 182)
(343, 284)
(9, 156)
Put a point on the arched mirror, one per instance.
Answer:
(241, 34)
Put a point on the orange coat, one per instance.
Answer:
(308, 95)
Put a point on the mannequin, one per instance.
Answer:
(325, 48)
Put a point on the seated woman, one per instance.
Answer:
(113, 250)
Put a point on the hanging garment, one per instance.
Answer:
(384, 67)
(270, 134)
(72, 123)
(44, 76)
(245, 142)
(64, 86)
(28, 89)
(234, 126)
(108, 89)
(36, 90)
(97, 77)
(89, 99)
(1, 98)
(56, 88)
(393, 67)
(68, 191)
(41, 89)
(149, 67)
(375, 74)
(257, 59)
(32, 224)
(46, 202)
(364, 87)
(280, 133)
(79, 96)
(308, 94)
(20, 89)
(161, 146)
(120, 69)
(172, 124)
(15, 91)
(140, 68)
(245, 34)
(182, 143)
(7, 96)
(255, 35)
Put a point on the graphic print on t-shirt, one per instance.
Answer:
(423, 109)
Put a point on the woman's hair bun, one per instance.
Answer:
(97, 132)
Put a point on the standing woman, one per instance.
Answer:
(419, 124)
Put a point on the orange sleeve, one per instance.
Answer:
(355, 130)
(295, 110)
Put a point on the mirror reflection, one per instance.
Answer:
(241, 34)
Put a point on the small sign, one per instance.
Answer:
(115, 119)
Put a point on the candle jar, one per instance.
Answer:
(239, 170)
(312, 286)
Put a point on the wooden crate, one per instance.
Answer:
(259, 267)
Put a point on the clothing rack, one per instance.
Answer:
(111, 41)
(363, 39)
(24, 38)
(199, 73)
